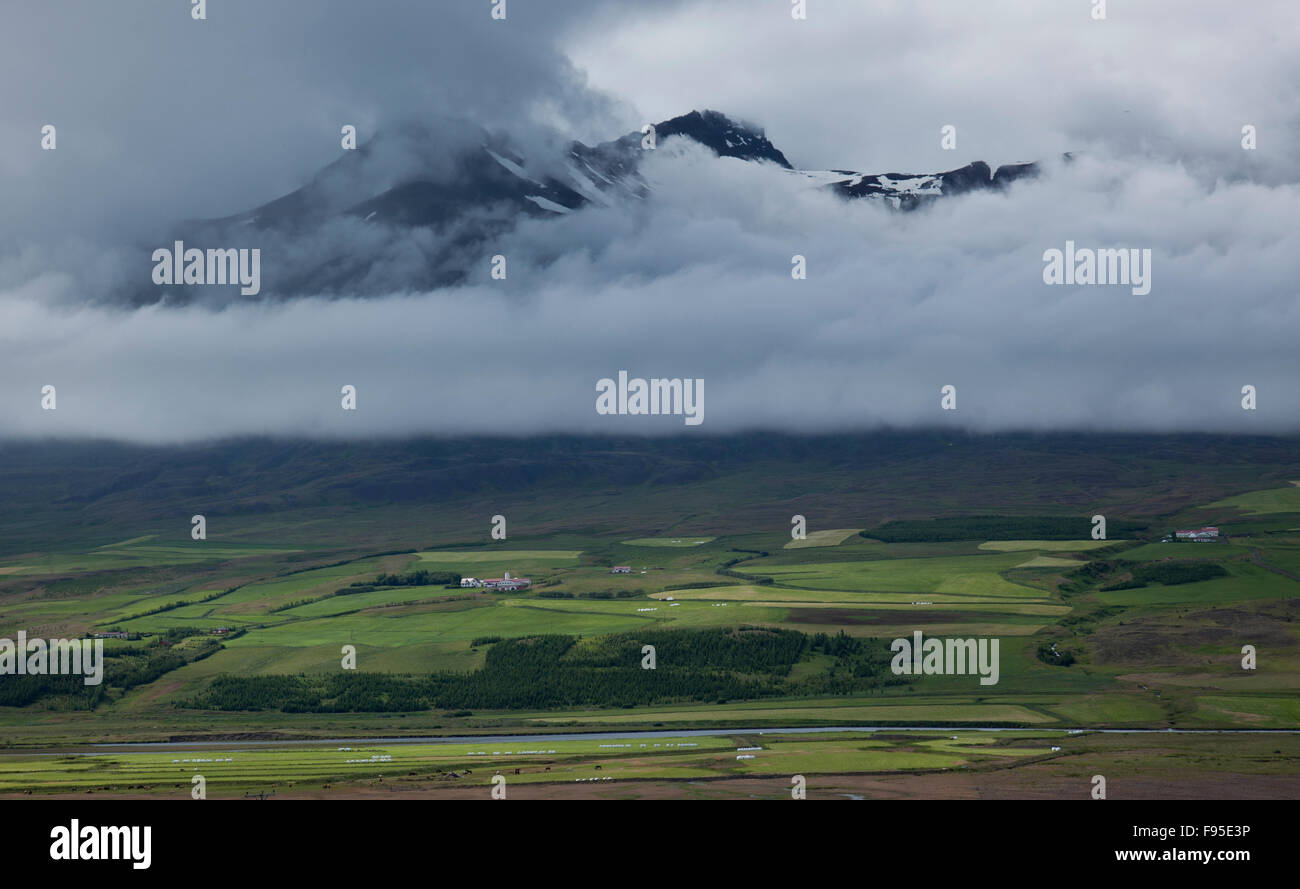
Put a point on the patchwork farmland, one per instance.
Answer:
(229, 639)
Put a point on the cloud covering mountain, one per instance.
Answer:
(689, 276)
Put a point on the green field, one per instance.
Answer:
(235, 771)
(1051, 546)
(800, 631)
(974, 576)
(823, 538)
(1273, 500)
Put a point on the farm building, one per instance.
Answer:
(1207, 533)
(470, 582)
(507, 583)
(621, 569)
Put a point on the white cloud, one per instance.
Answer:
(867, 86)
(696, 283)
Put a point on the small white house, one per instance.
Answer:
(470, 582)
(621, 569)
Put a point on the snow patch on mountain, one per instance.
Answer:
(511, 166)
(548, 204)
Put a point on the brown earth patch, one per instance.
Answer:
(1029, 782)
(867, 616)
(162, 689)
(1170, 643)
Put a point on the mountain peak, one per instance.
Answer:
(465, 187)
(726, 137)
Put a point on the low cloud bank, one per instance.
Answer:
(696, 283)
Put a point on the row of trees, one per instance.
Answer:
(418, 578)
(1117, 574)
(124, 669)
(989, 527)
(541, 672)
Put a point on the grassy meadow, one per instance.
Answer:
(308, 622)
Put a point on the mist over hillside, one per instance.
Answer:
(392, 494)
(502, 237)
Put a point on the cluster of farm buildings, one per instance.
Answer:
(506, 583)
(1200, 535)
(519, 583)
(122, 634)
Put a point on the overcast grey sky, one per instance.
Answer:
(162, 118)
(866, 85)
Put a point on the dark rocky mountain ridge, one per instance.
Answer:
(424, 202)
